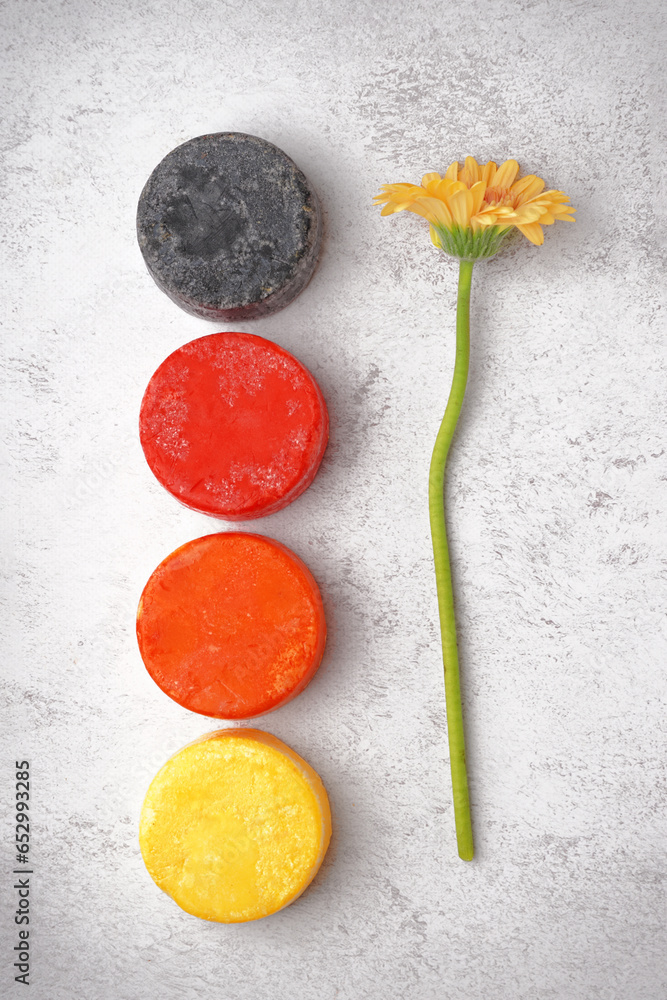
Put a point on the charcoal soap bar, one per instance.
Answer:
(229, 227)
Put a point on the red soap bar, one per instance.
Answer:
(233, 426)
(231, 625)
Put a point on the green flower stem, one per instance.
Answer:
(443, 573)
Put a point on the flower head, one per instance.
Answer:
(472, 210)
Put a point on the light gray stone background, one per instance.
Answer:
(556, 496)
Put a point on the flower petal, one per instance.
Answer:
(393, 206)
(430, 183)
(561, 209)
(477, 191)
(460, 204)
(428, 178)
(392, 191)
(471, 172)
(533, 232)
(435, 239)
(506, 174)
(453, 171)
(484, 219)
(527, 187)
(433, 210)
(445, 188)
(528, 213)
(488, 173)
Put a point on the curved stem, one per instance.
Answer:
(443, 574)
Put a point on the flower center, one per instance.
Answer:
(500, 196)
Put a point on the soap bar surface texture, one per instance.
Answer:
(233, 426)
(229, 227)
(235, 826)
(231, 625)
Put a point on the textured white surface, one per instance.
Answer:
(556, 496)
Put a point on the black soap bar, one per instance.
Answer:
(229, 227)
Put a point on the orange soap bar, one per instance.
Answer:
(234, 426)
(231, 625)
(235, 826)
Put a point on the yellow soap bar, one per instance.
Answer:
(235, 826)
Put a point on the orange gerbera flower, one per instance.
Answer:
(472, 210)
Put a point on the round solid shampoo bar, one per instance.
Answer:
(235, 826)
(231, 625)
(234, 426)
(229, 227)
